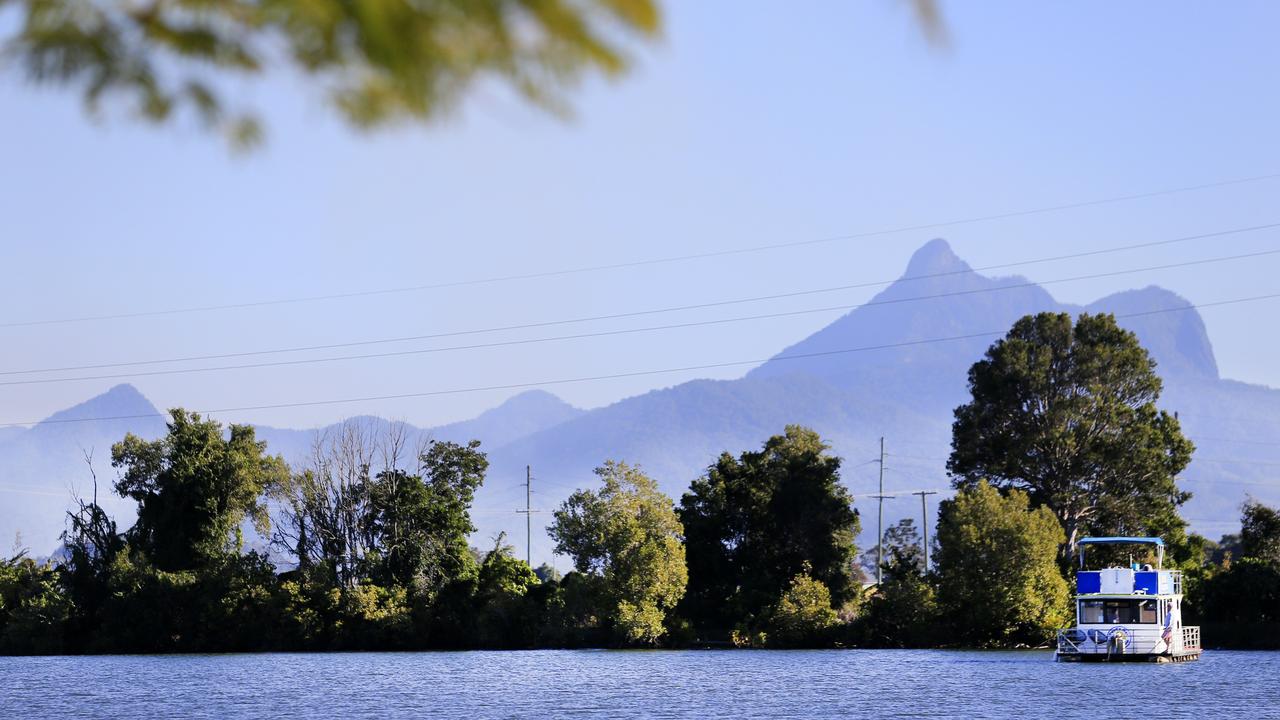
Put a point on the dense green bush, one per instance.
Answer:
(33, 607)
(999, 584)
(903, 610)
(803, 616)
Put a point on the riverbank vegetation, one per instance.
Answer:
(367, 544)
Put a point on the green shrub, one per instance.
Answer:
(803, 616)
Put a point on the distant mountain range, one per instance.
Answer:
(832, 381)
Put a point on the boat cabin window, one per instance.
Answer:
(1109, 612)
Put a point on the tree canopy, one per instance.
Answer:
(1260, 533)
(424, 521)
(755, 522)
(377, 61)
(997, 573)
(30, 604)
(367, 510)
(1241, 597)
(1068, 414)
(193, 487)
(903, 610)
(901, 546)
(627, 535)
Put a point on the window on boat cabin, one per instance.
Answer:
(1110, 612)
(1147, 612)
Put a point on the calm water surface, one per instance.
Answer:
(703, 684)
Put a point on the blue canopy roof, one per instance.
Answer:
(1122, 540)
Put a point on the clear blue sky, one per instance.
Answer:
(748, 123)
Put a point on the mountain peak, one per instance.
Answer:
(122, 401)
(1167, 325)
(519, 415)
(534, 399)
(933, 258)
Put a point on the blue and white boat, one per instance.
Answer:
(1128, 614)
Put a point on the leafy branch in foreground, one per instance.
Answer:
(378, 61)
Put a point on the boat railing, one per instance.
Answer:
(1177, 582)
(1191, 637)
(1067, 640)
(1074, 641)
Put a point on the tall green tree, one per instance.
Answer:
(377, 61)
(194, 487)
(1068, 414)
(506, 615)
(1240, 599)
(1260, 533)
(627, 535)
(997, 573)
(903, 609)
(405, 525)
(421, 522)
(755, 522)
(901, 543)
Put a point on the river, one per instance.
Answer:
(659, 684)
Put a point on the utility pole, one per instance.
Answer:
(880, 522)
(924, 517)
(528, 515)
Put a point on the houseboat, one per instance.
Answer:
(1128, 614)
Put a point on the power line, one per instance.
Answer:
(920, 457)
(656, 311)
(1194, 459)
(615, 376)
(1216, 461)
(605, 333)
(645, 262)
(895, 494)
(1268, 443)
(25, 490)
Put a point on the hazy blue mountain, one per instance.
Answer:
(521, 415)
(41, 466)
(518, 416)
(1177, 340)
(905, 391)
(866, 375)
(906, 312)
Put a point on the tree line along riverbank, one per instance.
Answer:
(369, 539)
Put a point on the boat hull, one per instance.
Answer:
(1182, 657)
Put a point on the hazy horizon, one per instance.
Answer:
(729, 134)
